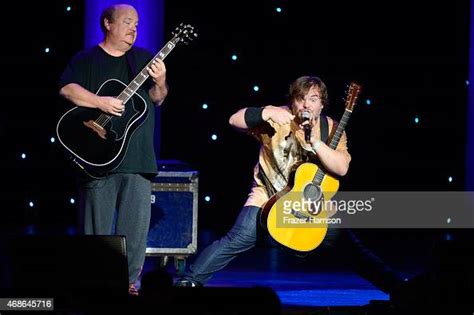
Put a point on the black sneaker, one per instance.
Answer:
(187, 283)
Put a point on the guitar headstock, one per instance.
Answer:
(184, 33)
(352, 95)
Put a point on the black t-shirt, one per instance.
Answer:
(90, 68)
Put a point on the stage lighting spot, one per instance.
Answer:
(70, 230)
(234, 57)
(31, 229)
(204, 106)
(207, 198)
(256, 88)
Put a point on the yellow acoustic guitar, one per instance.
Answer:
(296, 217)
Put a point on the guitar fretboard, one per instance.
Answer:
(340, 129)
(141, 77)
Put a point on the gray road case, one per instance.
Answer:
(174, 212)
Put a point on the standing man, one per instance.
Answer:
(127, 188)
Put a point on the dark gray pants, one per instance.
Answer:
(130, 195)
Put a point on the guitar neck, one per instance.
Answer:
(318, 178)
(143, 75)
(340, 129)
(352, 95)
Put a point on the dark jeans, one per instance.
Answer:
(243, 237)
(216, 256)
(129, 195)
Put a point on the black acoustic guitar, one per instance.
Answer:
(97, 141)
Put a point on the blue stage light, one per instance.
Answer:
(31, 229)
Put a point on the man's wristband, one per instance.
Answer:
(253, 116)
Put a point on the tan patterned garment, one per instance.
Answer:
(282, 147)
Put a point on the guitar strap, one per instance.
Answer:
(324, 128)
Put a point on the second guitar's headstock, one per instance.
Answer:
(352, 95)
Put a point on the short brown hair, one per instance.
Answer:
(300, 87)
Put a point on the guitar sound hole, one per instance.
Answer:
(313, 194)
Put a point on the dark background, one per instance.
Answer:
(411, 57)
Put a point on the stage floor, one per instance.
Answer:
(298, 282)
(318, 288)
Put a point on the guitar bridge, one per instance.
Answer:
(98, 129)
(300, 215)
